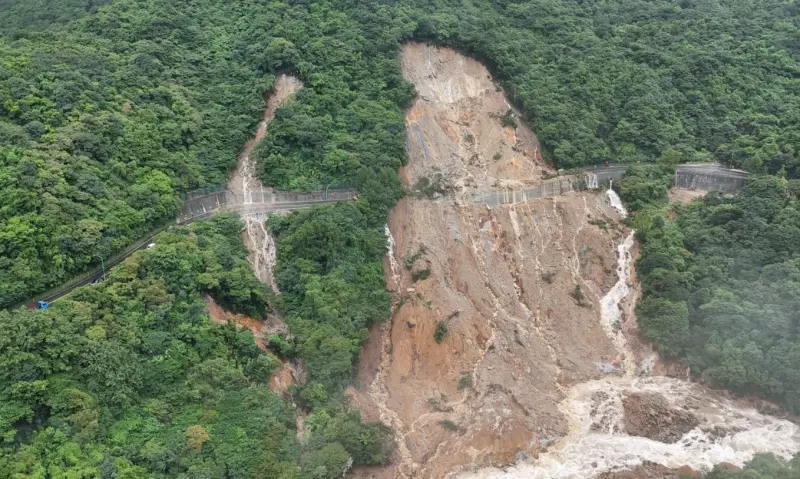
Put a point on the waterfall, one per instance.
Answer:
(261, 248)
(591, 181)
(616, 202)
(390, 246)
(597, 441)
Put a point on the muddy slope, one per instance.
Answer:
(513, 338)
(456, 125)
(260, 244)
(243, 181)
(518, 287)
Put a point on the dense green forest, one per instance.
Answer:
(103, 124)
(721, 284)
(763, 466)
(18, 18)
(109, 117)
(623, 81)
(109, 110)
(129, 378)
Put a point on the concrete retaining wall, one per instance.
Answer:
(271, 200)
(706, 182)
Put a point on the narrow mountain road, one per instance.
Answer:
(257, 210)
(261, 209)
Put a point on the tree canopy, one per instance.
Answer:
(721, 284)
(110, 110)
(129, 378)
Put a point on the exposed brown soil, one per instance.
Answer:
(260, 247)
(243, 181)
(455, 126)
(220, 315)
(650, 415)
(685, 195)
(282, 379)
(503, 280)
(242, 177)
(288, 373)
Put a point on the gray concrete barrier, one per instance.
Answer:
(695, 176)
(710, 182)
(258, 201)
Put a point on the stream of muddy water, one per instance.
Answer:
(597, 441)
(244, 181)
(390, 247)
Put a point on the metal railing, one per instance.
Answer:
(699, 177)
(258, 201)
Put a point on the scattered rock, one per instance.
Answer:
(650, 415)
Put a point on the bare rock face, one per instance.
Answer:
(651, 416)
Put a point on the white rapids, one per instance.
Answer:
(616, 203)
(390, 245)
(262, 255)
(597, 441)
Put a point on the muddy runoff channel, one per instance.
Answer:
(540, 373)
(688, 425)
(243, 181)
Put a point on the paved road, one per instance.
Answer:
(98, 275)
(244, 210)
(604, 173)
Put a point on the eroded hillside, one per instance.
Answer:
(461, 128)
(518, 287)
(513, 338)
(260, 245)
(244, 181)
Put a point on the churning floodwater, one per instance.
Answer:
(597, 441)
(616, 202)
(390, 246)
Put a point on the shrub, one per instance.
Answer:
(508, 119)
(441, 332)
(420, 274)
(449, 425)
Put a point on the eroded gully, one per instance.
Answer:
(243, 181)
(597, 441)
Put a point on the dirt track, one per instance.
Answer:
(518, 287)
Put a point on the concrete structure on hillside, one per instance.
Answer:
(696, 177)
(257, 203)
